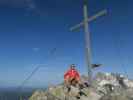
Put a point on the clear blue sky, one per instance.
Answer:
(30, 29)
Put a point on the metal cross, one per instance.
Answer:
(85, 24)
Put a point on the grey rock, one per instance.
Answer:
(105, 86)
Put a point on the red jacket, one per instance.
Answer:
(72, 73)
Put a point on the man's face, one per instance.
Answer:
(72, 67)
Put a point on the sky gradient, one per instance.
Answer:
(31, 29)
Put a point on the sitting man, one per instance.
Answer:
(72, 77)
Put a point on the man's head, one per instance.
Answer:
(72, 66)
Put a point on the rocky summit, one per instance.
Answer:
(104, 86)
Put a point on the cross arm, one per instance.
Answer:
(101, 13)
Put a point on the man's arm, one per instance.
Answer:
(66, 73)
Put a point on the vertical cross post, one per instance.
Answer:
(87, 39)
